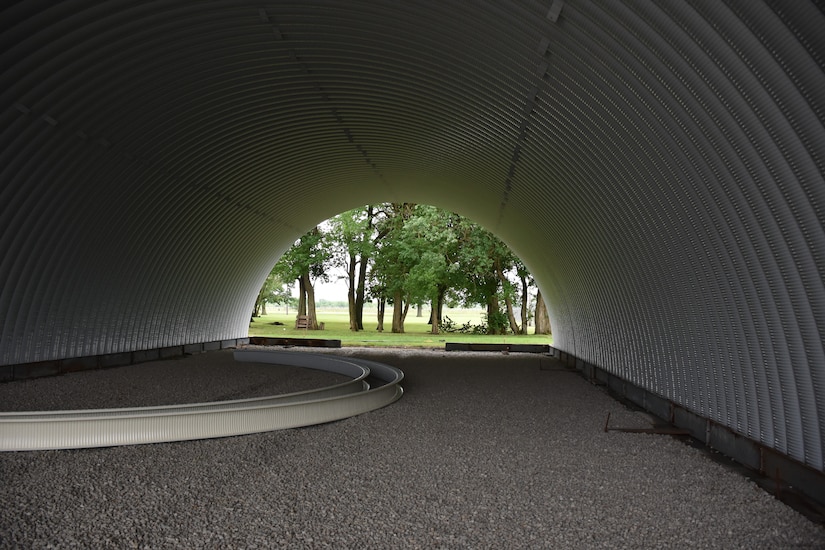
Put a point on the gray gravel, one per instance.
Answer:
(483, 451)
(211, 376)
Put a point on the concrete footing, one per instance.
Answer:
(55, 367)
(515, 348)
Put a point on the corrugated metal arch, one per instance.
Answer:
(659, 166)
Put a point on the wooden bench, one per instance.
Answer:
(303, 322)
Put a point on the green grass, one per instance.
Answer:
(417, 335)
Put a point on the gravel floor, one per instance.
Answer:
(483, 451)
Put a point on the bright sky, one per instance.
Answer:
(335, 290)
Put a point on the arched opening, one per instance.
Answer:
(402, 255)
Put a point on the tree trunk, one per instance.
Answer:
(442, 291)
(353, 321)
(492, 307)
(398, 312)
(508, 301)
(434, 317)
(525, 317)
(542, 319)
(256, 311)
(364, 261)
(263, 307)
(312, 321)
(511, 316)
(382, 307)
(419, 310)
(302, 297)
(359, 293)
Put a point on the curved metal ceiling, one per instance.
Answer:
(658, 166)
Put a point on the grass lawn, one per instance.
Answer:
(417, 335)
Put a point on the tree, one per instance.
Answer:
(352, 238)
(482, 257)
(305, 262)
(395, 257)
(432, 234)
(273, 291)
(503, 261)
(415, 259)
(526, 282)
(380, 294)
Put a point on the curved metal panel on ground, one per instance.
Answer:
(29, 431)
(658, 167)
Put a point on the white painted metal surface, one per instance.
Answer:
(29, 431)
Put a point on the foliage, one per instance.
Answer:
(309, 255)
(274, 291)
(497, 322)
(449, 326)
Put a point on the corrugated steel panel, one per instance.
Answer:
(658, 166)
